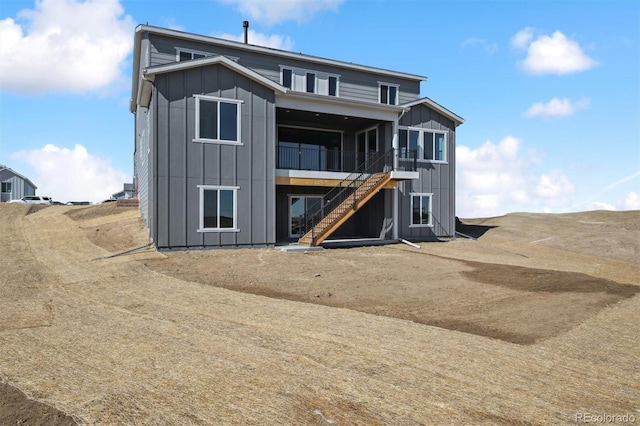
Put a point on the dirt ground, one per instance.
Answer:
(531, 323)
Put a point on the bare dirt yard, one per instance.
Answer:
(534, 322)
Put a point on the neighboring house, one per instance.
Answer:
(241, 145)
(128, 191)
(14, 186)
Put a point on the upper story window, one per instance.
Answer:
(188, 54)
(333, 85)
(423, 144)
(309, 81)
(217, 120)
(287, 78)
(6, 187)
(388, 93)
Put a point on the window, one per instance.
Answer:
(388, 94)
(311, 82)
(421, 210)
(434, 146)
(217, 120)
(188, 54)
(423, 144)
(218, 208)
(333, 85)
(287, 78)
(6, 187)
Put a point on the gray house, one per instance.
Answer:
(240, 145)
(14, 186)
(128, 191)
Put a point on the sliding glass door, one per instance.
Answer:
(299, 206)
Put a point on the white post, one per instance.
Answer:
(395, 143)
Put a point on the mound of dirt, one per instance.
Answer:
(100, 210)
(122, 341)
(17, 409)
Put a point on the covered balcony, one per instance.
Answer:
(321, 149)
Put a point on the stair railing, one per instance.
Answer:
(376, 162)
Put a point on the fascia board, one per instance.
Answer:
(24, 178)
(433, 105)
(150, 72)
(277, 52)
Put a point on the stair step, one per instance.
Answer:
(342, 209)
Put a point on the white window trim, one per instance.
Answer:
(421, 145)
(421, 194)
(192, 51)
(282, 68)
(201, 189)
(337, 77)
(384, 83)
(315, 82)
(197, 120)
(320, 77)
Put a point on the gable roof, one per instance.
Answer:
(457, 120)
(149, 74)
(2, 168)
(140, 29)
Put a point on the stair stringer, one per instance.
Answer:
(346, 209)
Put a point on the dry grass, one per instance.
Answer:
(114, 342)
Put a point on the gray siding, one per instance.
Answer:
(436, 178)
(143, 163)
(354, 84)
(181, 164)
(19, 187)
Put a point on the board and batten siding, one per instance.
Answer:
(143, 159)
(181, 164)
(19, 187)
(436, 178)
(354, 85)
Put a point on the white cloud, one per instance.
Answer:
(489, 48)
(556, 107)
(65, 46)
(72, 174)
(631, 201)
(555, 54)
(275, 11)
(275, 41)
(495, 179)
(598, 205)
(554, 188)
(522, 38)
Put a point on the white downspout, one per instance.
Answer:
(395, 143)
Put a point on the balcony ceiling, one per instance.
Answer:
(294, 117)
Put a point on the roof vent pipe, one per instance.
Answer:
(245, 25)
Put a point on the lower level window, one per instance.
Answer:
(421, 210)
(218, 208)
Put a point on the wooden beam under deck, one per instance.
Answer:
(296, 181)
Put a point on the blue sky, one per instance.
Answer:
(550, 90)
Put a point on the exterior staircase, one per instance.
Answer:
(361, 192)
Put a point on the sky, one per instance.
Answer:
(549, 90)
